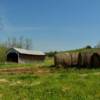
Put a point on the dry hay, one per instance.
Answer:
(1, 95)
(4, 81)
(16, 70)
(83, 75)
(16, 83)
(83, 56)
(62, 60)
(66, 88)
(68, 59)
(95, 60)
(42, 71)
(90, 60)
(76, 59)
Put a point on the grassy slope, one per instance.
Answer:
(69, 84)
(85, 50)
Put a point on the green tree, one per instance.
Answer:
(88, 47)
(3, 50)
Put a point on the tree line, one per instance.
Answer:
(25, 43)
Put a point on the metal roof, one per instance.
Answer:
(28, 52)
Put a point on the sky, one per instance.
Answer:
(51, 24)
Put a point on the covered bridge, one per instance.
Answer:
(18, 55)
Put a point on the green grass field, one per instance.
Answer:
(51, 84)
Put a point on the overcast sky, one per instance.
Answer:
(52, 24)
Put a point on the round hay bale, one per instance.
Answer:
(67, 59)
(83, 56)
(76, 59)
(62, 60)
(58, 60)
(95, 60)
(90, 60)
(98, 52)
(86, 59)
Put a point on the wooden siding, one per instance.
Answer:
(23, 58)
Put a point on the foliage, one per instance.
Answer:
(13, 42)
(51, 53)
(88, 47)
(3, 50)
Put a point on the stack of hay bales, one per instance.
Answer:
(77, 59)
(67, 59)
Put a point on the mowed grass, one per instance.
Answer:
(70, 84)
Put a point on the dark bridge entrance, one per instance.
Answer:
(12, 57)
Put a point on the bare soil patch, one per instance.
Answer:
(37, 71)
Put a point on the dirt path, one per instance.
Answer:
(20, 70)
(37, 71)
(16, 70)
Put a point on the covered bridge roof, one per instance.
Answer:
(24, 51)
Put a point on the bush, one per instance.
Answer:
(51, 53)
(2, 54)
(88, 47)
